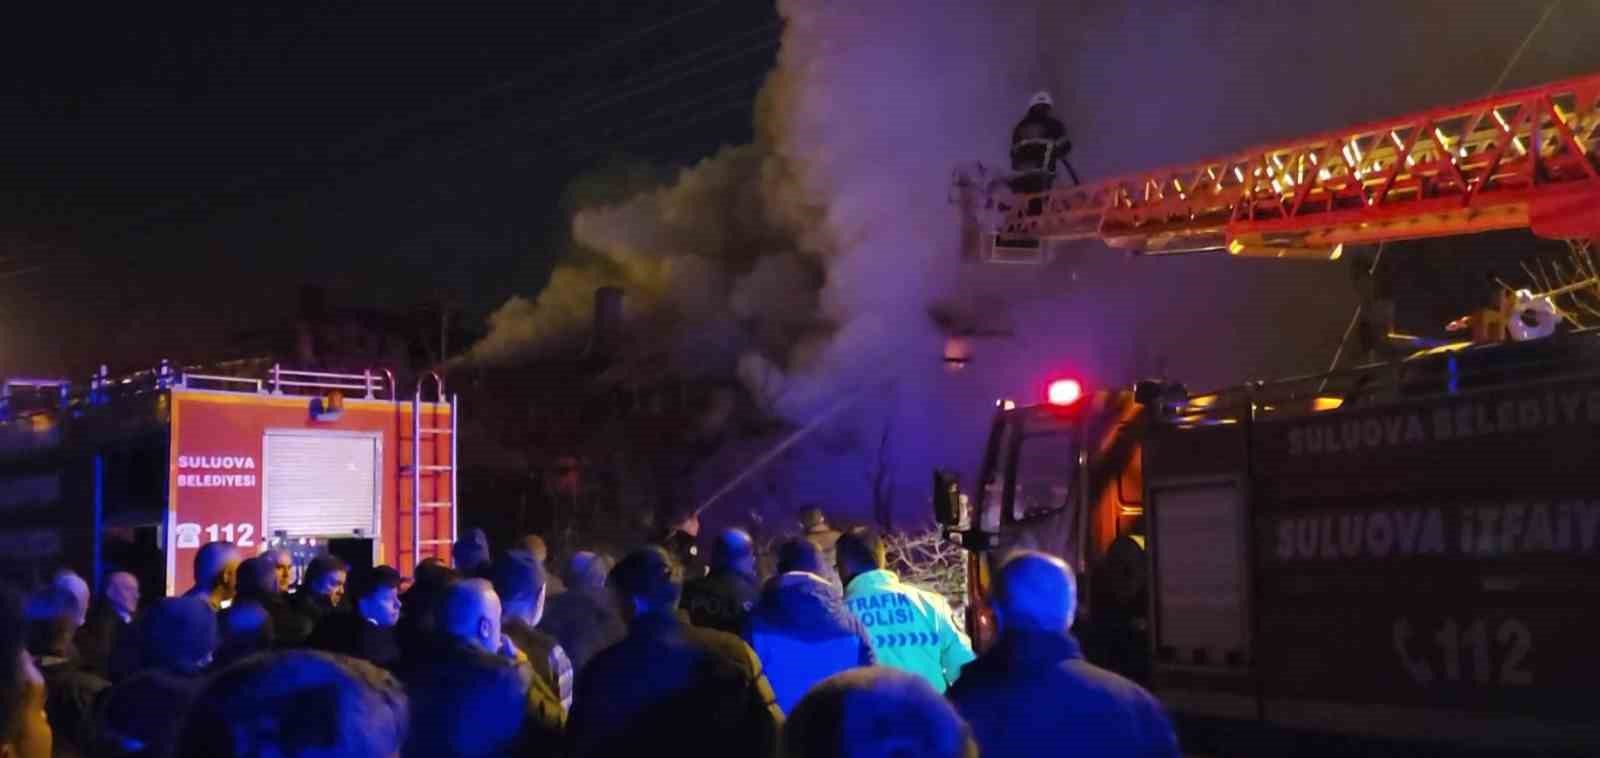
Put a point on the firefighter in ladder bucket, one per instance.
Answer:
(1038, 142)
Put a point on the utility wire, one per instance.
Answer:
(381, 130)
(1499, 81)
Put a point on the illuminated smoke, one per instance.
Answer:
(807, 264)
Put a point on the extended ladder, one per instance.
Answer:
(432, 471)
(1524, 159)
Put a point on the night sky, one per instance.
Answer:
(172, 174)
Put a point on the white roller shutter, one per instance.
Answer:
(321, 483)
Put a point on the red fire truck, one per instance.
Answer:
(136, 473)
(1405, 551)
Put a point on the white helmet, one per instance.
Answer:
(1041, 98)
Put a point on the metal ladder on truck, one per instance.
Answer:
(432, 471)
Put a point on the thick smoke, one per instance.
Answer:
(808, 263)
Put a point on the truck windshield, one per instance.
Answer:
(1042, 475)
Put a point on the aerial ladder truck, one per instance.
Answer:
(1407, 551)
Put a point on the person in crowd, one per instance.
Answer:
(471, 553)
(520, 583)
(24, 729)
(255, 579)
(912, 629)
(258, 582)
(369, 632)
(297, 703)
(1034, 687)
(282, 562)
(71, 582)
(815, 528)
(215, 572)
(476, 695)
(535, 546)
(418, 603)
(681, 539)
(800, 628)
(880, 712)
(52, 615)
(322, 591)
(141, 714)
(584, 619)
(722, 599)
(109, 618)
(669, 678)
(245, 628)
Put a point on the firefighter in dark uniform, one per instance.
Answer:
(1038, 142)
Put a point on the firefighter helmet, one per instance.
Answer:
(1041, 98)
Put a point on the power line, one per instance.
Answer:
(244, 183)
(650, 81)
(569, 114)
(548, 68)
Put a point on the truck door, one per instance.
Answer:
(323, 489)
(1198, 517)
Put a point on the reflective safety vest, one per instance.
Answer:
(911, 629)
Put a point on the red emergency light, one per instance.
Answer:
(1064, 392)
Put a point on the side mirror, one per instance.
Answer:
(947, 501)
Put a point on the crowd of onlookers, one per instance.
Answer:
(494, 655)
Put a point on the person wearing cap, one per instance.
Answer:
(520, 582)
(368, 632)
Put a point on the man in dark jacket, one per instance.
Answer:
(801, 630)
(475, 696)
(141, 715)
(108, 622)
(584, 619)
(258, 582)
(668, 680)
(1034, 688)
(519, 581)
(321, 593)
(722, 599)
(368, 632)
(71, 691)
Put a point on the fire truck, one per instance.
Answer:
(135, 473)
(1406, 551)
